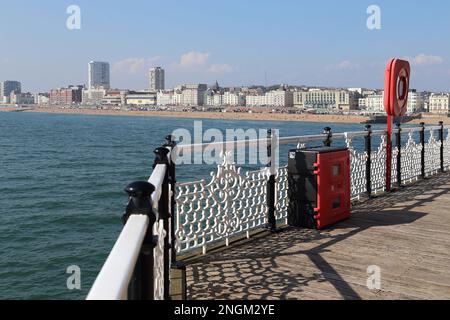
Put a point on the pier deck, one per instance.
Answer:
(405, 233)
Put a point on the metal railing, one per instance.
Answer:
(165, 218)
(139, 265)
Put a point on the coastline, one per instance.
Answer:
(351, 119)
(235, 116)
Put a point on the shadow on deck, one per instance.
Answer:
(405, 233)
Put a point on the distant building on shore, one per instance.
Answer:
(439, 103)
(331, 100)
(93, 96)
(276, 98)
(66, 96)
(157, 79)
(141, 99)
(7, 87)
(99, 75)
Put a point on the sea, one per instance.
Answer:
(62, 178)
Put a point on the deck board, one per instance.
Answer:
(405, 233)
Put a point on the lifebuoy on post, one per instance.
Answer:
(396, 87)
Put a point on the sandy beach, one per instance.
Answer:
(205, 115)
(429, 120)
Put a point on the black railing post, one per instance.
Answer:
(441, 137)
(422, 153)
(179, 268)
(171, 143)
(142, 283)
(162, 158)
(329, 137)
(271, 220)
(399, 155)
(368, 147)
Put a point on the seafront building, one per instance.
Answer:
(439, 103)
(21, 98)
(373, 103)
(7, 87)
(330, 100)
(157, 79)
(276, 98)
(66, 96)
(141, 99)
(42, 99)
(93, 96)
(99, 75)
(193, 94)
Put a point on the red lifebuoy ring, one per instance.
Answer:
(396, 87)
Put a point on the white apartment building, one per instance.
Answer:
(193, 94)
(416, 102)
(93, 96)
(42, 99)
(373, 103)
(276, 98)
(233, 99)
(213, 99)
(165, 98)
(325, 99)
(439, 103)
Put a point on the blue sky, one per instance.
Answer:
(235, 42)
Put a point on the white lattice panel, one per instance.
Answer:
(447, 149)
(357, 170)
(230, 204)
(158, 230)
(432, 154)
(378, 172)
(282, 189)
(411, 159)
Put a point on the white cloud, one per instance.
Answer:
(134, 65)
(343, 65)
(194, 59)
(220, 68)
(424, 60)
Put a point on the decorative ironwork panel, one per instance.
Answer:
(230, 204)
(411, 159)
(282, 188)
(394, 164)
(160, 233)
(357, 170)
(378, 173)
(447, 148)
(432, 154)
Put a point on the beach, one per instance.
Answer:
(263, 116)
(204, 115)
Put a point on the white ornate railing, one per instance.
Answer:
(233, 203)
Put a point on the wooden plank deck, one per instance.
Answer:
(406, 234)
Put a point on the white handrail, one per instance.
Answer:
(157, 180)
(114, 278)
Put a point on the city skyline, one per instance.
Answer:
(300, 45)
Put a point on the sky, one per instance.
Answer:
(236, 42)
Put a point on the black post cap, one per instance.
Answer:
(140, 189)
(368, 127)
